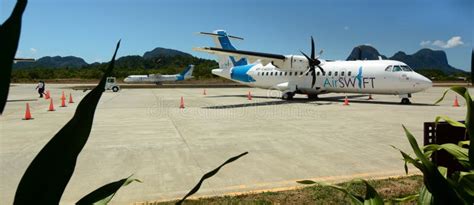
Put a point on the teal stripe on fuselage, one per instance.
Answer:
(240, 73)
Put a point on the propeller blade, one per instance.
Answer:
(322, 70)
(306, 72)
(309, 59)
(312, 48)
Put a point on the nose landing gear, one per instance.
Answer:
(405, 99)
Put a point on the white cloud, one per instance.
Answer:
(454, 41)
(425, 43)
(33, 50)
(451, 43)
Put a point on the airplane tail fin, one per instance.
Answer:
(187, 73)
(222, 40)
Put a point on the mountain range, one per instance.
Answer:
(422, 59)
(156, 55)
(163, 57)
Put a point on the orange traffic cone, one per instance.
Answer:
(204, 92)
(63, 96)
(346, 101)
(63, 102)
(370, 97)
(70, 98)
(47, 95)
(181, 104)
(456, 103)
(51, 106)
(249, 96)
(27, 113)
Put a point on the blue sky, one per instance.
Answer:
(90, 28)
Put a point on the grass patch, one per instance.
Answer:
(387, 188)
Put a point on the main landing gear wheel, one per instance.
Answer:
(313, 96)
(288, 96)
(406, 101)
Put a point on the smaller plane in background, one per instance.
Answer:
(158, 78)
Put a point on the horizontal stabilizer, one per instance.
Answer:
(220, 35)
(24, 60)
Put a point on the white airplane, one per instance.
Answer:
(158, 78)
(296, 74)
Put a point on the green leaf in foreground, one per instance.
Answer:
(50, 171)
(456, 151)
(449, 121)
(9, 37)
(425, 197)
(209, 175)
(405, 199)
(469, 122)
(104, 194)
(371, 196)
(433, 179)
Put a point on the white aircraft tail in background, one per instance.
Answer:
(297, 74)
(158, 78)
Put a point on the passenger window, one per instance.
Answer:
(335, 73)
(396, 68)
(324, 74)
(271, 73)
(317, 73)
(349, 73)
(389, 68)
(329, 74)
(286, 73)
(301, 73)
(342, 73)
(307, 73)
(281, 73)
(290, 73)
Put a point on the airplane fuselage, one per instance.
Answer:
(368, 76)
(151, 78)
(158, 78)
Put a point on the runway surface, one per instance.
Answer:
(143, 132)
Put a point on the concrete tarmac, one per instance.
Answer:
(143, 132)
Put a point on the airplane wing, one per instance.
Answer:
(265, 58)
(24, 59)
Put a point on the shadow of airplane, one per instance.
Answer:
(276, 102)
(22, 100)
(274, 97)
(320, 101)
(365, 101)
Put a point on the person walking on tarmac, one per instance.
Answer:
(40, 87)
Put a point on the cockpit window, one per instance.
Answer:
(396, 68)
(406, 68)
(389, 68)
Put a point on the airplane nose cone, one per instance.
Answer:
(126, 80)
(423, 82)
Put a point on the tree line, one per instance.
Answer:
(125, 66)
